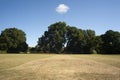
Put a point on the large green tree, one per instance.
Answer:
(111, 42)
(90, 38)
(61, 37)
(81, 41)
(75, 40)
(54, 39)
(13, 40)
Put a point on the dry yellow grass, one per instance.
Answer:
(63, 67)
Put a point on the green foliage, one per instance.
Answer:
(93, 51)
(81, 41)
(111, 42)
(54, 39)
(75, 40)
(13, 40)
(62, 38)
(89, 37)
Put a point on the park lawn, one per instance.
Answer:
(59, 67)
(12, 60)
(113, 60)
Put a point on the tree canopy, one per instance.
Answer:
(111, 42)
(62, 38)
(13, 40)
(69, 39)
(81, 41)
(54, 39)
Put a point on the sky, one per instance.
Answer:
(34, 16)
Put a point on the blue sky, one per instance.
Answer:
(34, 16)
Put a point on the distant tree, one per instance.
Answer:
(98, 44)
(80, 41)
(42, 44)
(54, 39)
(32, 49)
(75, 42)
(90, 38)
(111, 42)
(61, 37)
(13, 40)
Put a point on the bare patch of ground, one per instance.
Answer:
(62, 67)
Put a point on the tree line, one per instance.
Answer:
(62, 38)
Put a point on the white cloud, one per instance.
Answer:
(62, 8)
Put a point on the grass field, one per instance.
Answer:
(59, 67)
